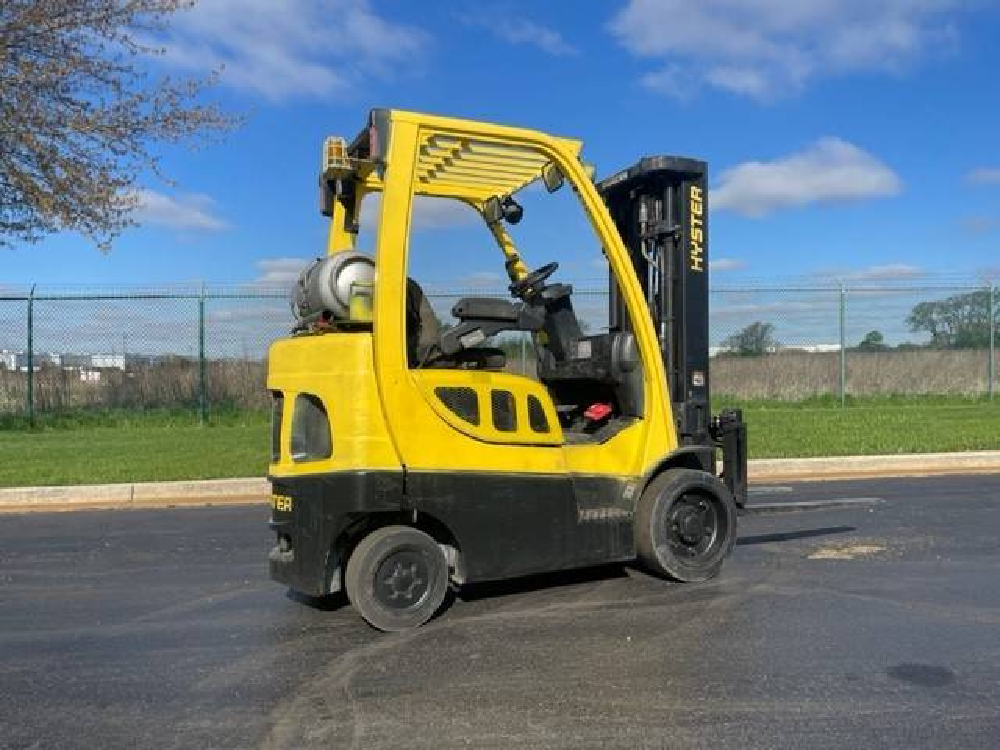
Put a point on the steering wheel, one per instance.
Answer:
(533, 279)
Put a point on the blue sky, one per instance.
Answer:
(846, 138)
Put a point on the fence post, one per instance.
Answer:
(30, 396)
(991, 369)
(843, 349)
(202, 384)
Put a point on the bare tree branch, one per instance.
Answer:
(80, 113)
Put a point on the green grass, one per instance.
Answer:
(870, 425)
(89, 447)
(132, 447)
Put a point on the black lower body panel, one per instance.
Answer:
(509, 525)
(504, 525)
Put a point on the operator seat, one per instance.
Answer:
(423, 336)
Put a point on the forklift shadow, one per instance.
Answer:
(329, 603)
(789, 536)
(542, 581)
(487, 590)
(560, 579)
(536, 583)
(529, 584)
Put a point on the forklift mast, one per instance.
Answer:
(660, 207)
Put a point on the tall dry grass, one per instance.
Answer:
(787, 376)
(790, 376)
(230, 384)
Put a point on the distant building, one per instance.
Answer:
(18, 361)
(91, 364)
(76, 361)
(107, 361)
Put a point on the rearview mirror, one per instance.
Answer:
(552, 177)
(506, 209)
(492, 211)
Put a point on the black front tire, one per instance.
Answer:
(685, 525)
(396, 578)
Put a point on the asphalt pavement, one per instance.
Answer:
(870, 618)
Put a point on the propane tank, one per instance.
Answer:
(324, 286)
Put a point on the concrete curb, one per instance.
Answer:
(246, 491)
(866, 467)
(137, 495)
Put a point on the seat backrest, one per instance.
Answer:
(422, 326)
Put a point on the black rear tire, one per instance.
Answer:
(685, 525)
(396, 578)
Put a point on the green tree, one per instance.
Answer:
(81, 116)
(873, 341)
(958, 322)
(754, 340)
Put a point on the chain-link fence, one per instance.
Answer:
(794, 343)
(137, 349)
(205, 348)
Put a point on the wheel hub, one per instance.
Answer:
(402, 580)
(691, 526)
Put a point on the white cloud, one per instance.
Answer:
(984, 176)
(888, 272)
(483, 279)
(455, 287)
(830, 170)
(989, 274)
(521, 31)
(726, 264)
(280, 271)
(746, 81)
(764, 49)
(977, 224)
(671, 80)
(245, 313)
(280, 50)
(187, 212)
(428, 213)
(748, 310)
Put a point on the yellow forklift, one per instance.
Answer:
(406, 457)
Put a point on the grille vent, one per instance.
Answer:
(461, 401)
(504, 414)
(536, 415)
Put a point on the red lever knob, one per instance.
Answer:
(597, 412)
